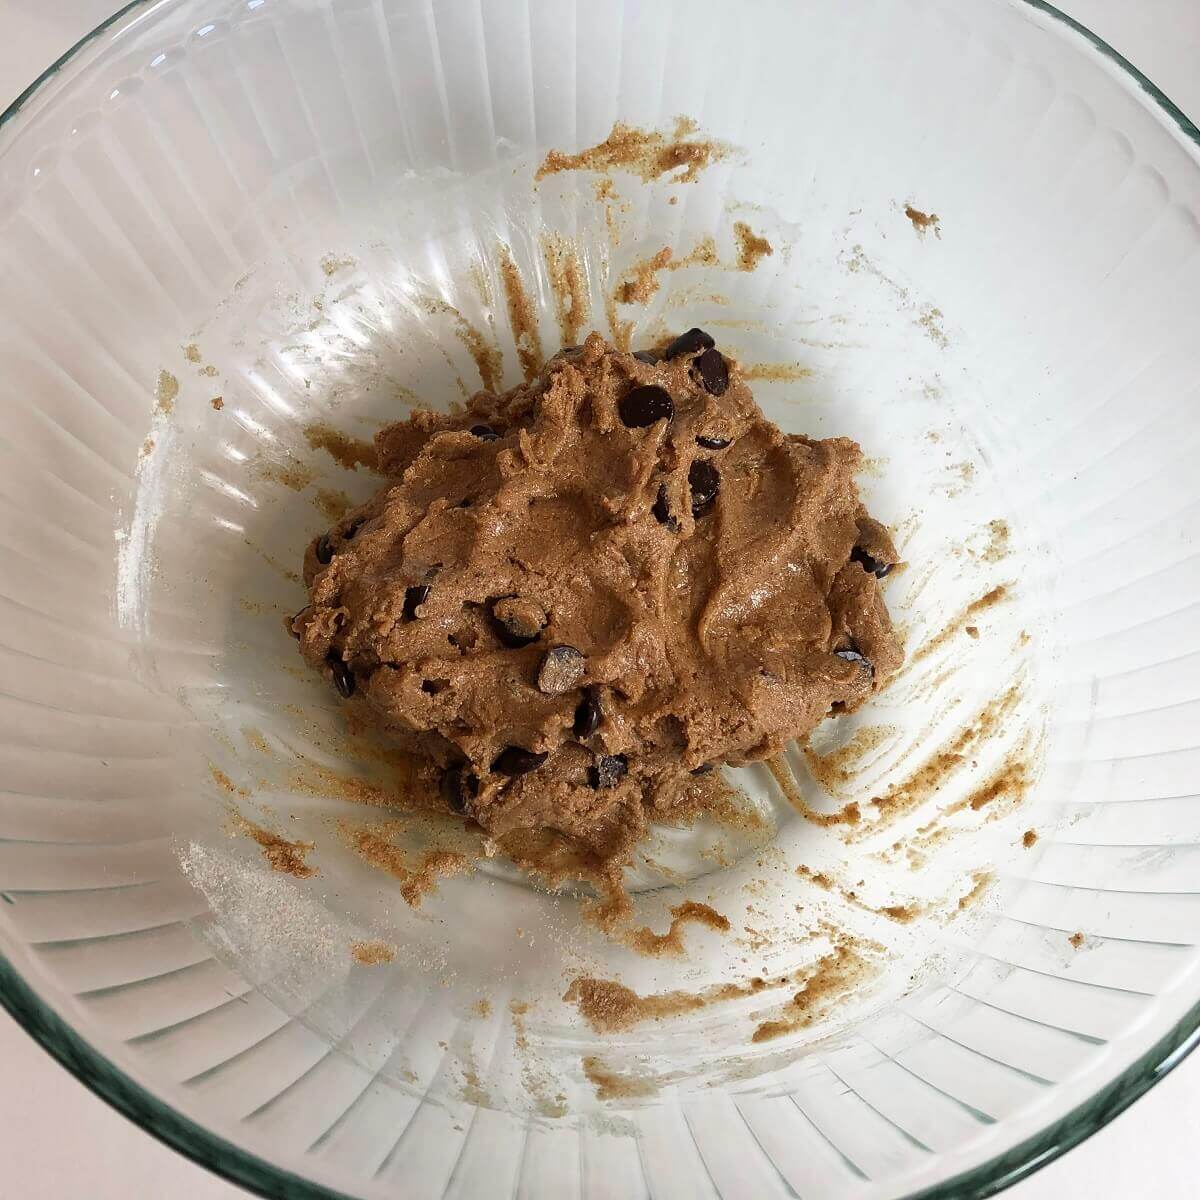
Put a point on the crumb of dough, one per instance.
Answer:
(751, 249)
(923, 222)
(218, 403)
(1076, 939)
(282, 855)
(611, 1085)
(1029, 839)
(192, 353)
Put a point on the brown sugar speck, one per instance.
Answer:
(372, 953)
(751, 249)
(1029, 839)
(346, 451)
(218, 403)
(647, 154)
(923, 222)
(165, 391)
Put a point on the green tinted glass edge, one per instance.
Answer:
(223, 1158)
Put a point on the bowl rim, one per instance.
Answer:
(105, 1079)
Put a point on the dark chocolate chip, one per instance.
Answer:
(459, 787)
(645, 405)
(713, 372)
(661, 511)
(324, 550)
(704, 769)
(414, 597)
(434, 687)
(588, 714)
(608, 770)
(714, 443)
(507, 634)
(705, 481)
(561, 669)
(689, 343)
(343, 678)
(354, 527)
(851, 655)
(485, 433)
(646, 356)
(515, 760)
(871, 565)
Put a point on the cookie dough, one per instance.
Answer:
(580, 594)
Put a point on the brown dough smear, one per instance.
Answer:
(705, 639)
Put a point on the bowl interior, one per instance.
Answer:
(240, 238)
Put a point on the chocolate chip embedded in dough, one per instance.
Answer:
(516, 760)
(561, 669)
(608, 770)
(646, 356)
(644, 406)
(714, 443)
(343, 677)
(588, 714)
(711, 369)
(485, 433)
(324, 550)
(459, 787)
(516, 622)
(414, 597)
(852, 655)
(869, 563)
(704, 769)
(689, 343)
(705, 481)
(662, 512)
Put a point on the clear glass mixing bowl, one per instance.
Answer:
(306, 210)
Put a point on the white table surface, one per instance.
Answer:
(1150, 1151)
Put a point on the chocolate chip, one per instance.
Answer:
(646, 356)
(354, 527)
(324, 550)
(689, 343)
(871, 565)
(852, 655)
(561, 669)
(705, 481)
(713, 372)
(434, 687)
(588, 714)
(710, 443)
(515, 760)
(414, 597)
(485, 433)
(661, 511)
(514, 624)
(608, 770)
(343, 679)
(645, 405)
(459, 787)
(704, 769)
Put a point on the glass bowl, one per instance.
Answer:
(238, 237)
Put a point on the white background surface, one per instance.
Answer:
(59, 1141)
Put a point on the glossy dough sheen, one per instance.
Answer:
(704, 639)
